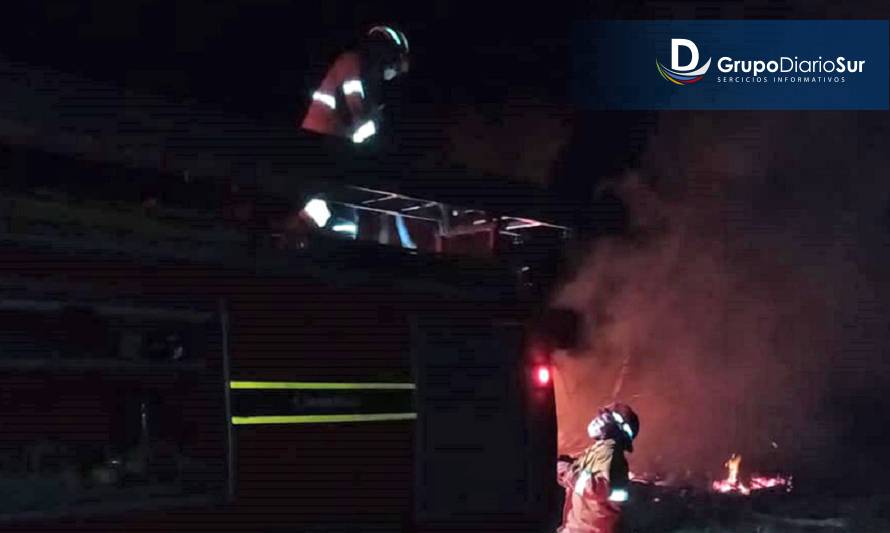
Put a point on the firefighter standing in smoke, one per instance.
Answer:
(597, 482)
(347, 103)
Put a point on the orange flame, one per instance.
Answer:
(733, 466)
(732, 483)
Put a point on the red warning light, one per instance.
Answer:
(542, 375)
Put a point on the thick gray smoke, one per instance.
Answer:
(746, 311)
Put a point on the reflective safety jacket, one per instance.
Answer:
(596, 484)
(345, 102)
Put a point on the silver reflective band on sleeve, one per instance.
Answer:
(353, 87)
(618, 495)
(364, 131)
(581, 482)
(325, 98)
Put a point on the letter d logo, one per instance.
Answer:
(675, 55)
(683, 74)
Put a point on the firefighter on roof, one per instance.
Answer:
(597, 482)
(347, 103)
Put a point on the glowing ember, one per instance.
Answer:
(647, 479)
(732, 484)
(764, 482)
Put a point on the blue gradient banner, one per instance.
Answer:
(732, 64)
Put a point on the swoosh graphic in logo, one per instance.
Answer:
(682, 78)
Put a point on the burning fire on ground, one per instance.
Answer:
(732, 483)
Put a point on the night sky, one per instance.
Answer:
(258, 57)
(488, 85)
(487, 90)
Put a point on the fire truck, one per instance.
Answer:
(328, 352)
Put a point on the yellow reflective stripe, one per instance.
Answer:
(314, 385)
(320, 419)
